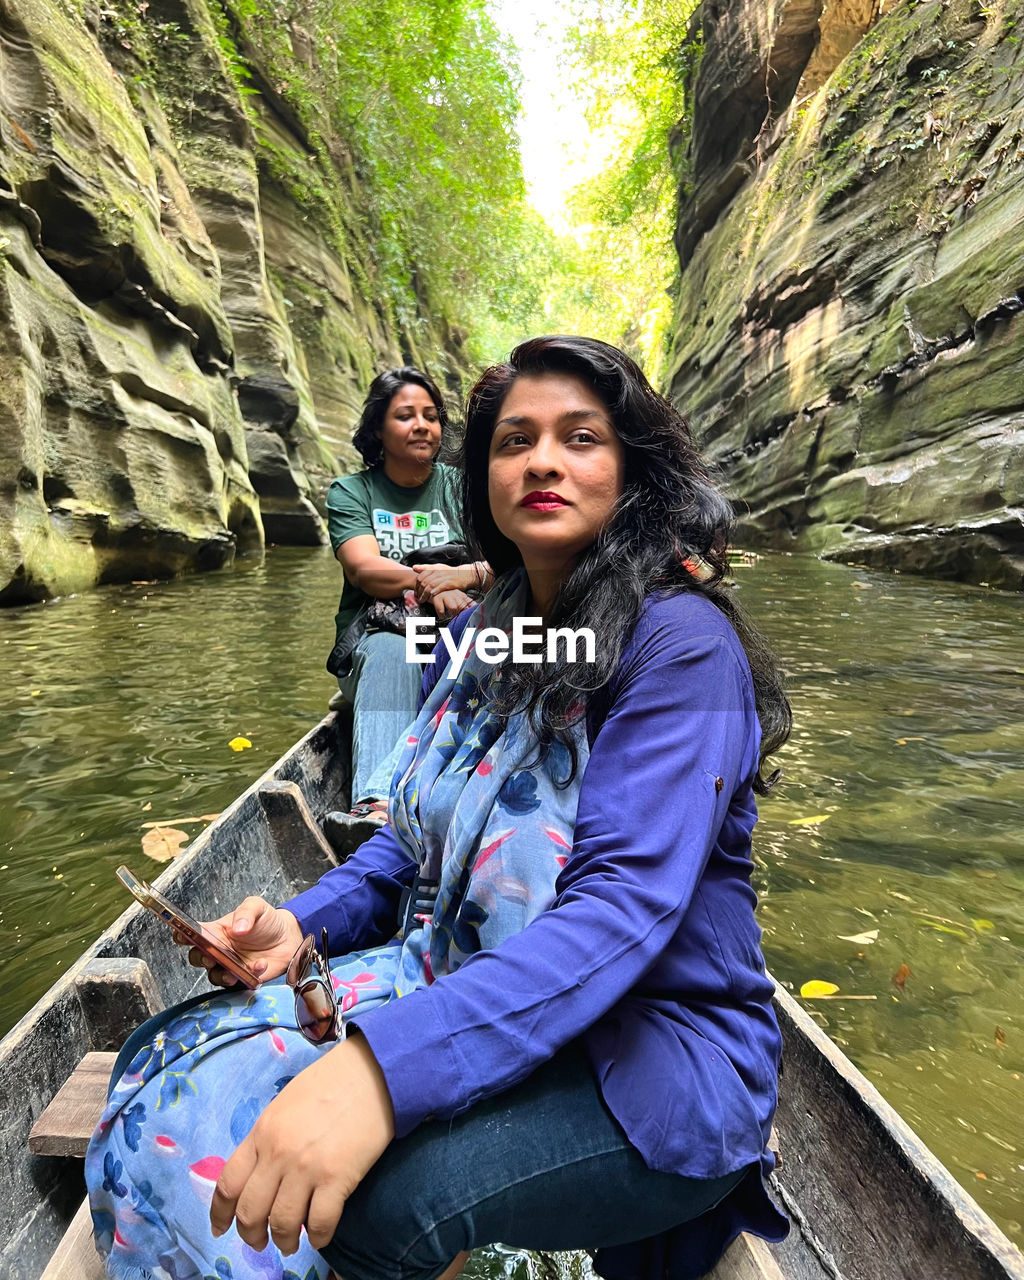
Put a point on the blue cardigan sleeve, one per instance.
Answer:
(358, 901)
(681, 724)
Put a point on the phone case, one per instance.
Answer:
(188, 928)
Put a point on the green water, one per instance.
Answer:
(907, 754)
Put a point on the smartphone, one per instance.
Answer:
(191, 930)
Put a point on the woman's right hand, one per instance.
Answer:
(266, 938)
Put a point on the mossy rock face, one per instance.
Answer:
(182, 271)
(121, 459)
(849, 336)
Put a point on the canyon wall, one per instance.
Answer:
(188, 311)
(849, 336)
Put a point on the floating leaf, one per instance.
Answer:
(147, 806)
(1000, 1036)
(944, 928)
(902, 742)
(815, 989)
(814, 821)
(899, 978)
(239, 744)
(163, 843)
(930, 915)
(983, 926)
(862, 939)
(169, 822)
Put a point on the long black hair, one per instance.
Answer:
(669, 533)
(383, 390)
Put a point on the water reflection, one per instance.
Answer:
(899, 814)
(899, 810)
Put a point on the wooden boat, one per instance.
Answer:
(867, 1199)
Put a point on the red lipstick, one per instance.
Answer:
(543, 500)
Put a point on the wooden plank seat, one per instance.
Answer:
(748, 1258)
(75, 1258)
(67, 1124)
(64, 1129)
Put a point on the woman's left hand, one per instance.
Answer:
(433, 578)
(449, 604)
(307, 1152)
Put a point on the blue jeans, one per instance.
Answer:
(542, 1166)
(384, 690)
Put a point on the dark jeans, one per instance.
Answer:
(542, 1166)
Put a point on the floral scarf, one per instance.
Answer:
(481, 811)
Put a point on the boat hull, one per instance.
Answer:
(235, 856)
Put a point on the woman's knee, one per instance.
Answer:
(405, 1220)
(400, 1244)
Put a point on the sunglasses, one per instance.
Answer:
(316, 1006)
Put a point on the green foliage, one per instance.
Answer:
(633, 67)
(393, 128)
(411, 105)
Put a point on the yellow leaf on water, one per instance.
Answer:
(239, 744)
(163, 843)
(983, 926)
(814, 821)
(943, 928)
(812, 990)
(902, 742)
(862, 939)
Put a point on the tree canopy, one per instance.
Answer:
(424, 97)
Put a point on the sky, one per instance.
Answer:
(559, 149)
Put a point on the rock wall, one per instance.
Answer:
(187, 323)
(849, 336)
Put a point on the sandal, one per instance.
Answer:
(370, 810)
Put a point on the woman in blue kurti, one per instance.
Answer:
(571, 1043)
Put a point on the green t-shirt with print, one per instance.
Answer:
(401, 520)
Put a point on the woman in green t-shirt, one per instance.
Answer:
(398, 504)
